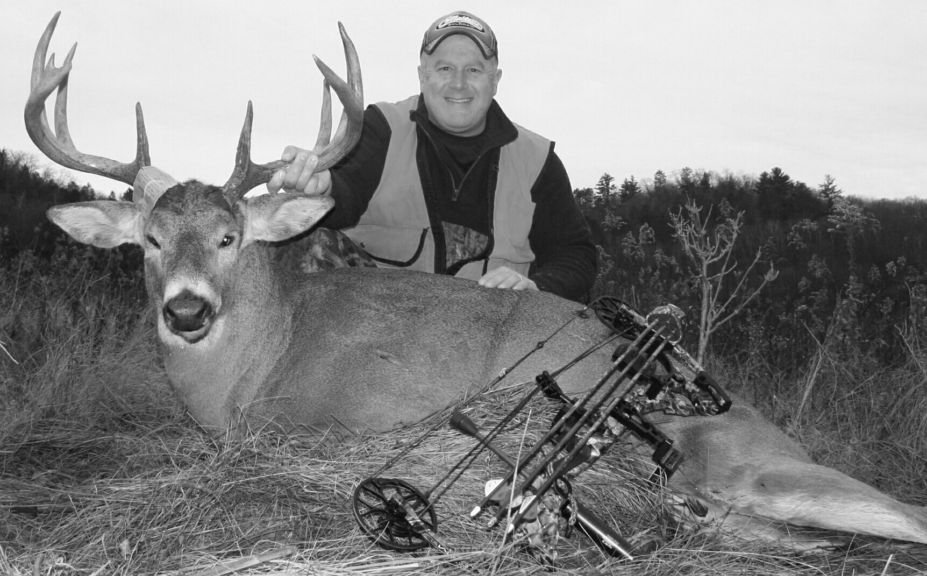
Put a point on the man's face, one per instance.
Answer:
(458, 84)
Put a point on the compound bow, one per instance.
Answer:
(649, 372)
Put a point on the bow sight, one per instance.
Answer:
(649, 372)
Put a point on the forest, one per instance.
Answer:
(846, 269)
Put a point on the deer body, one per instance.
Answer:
(247, 334)
(399, 346)
(374, 349)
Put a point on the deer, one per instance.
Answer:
(249, 332)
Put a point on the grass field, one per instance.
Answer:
(101, 472)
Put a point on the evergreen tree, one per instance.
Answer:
(605, 188)
(629, 189)
(829, 192)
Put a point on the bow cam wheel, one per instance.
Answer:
(394, 514)
(613, 313)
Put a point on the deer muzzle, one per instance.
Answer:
(188, 316)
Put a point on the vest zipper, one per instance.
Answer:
(456, 187)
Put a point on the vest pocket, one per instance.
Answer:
(463, 245)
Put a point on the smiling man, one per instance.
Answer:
(444, 182)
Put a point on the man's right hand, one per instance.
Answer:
(300, 175)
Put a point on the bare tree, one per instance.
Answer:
(724, 287)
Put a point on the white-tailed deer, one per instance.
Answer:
(247, 334)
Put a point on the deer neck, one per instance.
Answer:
(253, 330)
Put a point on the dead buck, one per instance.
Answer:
(247, 335)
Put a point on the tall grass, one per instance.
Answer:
(101, 472)
(849, 411)
(78, 346)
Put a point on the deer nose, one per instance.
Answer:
(187, 312)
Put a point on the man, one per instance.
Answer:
(487, 199)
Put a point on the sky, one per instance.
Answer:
(730, 86)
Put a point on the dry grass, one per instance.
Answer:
(101, 473)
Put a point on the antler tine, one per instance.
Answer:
(351, 94)
(325, 121)
(58, 145)
(248, 174)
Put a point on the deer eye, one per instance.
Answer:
(227, 241)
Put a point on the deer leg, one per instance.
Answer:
(742, 466)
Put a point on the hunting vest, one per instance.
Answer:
(395, 229)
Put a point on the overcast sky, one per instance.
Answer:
(628, 88)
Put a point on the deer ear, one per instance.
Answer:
(276, 217)
(100, 223)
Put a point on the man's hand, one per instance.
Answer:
(504, 277)
(300, 176)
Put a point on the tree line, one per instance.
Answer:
(849, 272)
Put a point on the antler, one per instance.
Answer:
(330, 150)
(58, 145)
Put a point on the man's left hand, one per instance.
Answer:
(503, 277)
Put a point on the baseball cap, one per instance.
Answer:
(461, 22)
